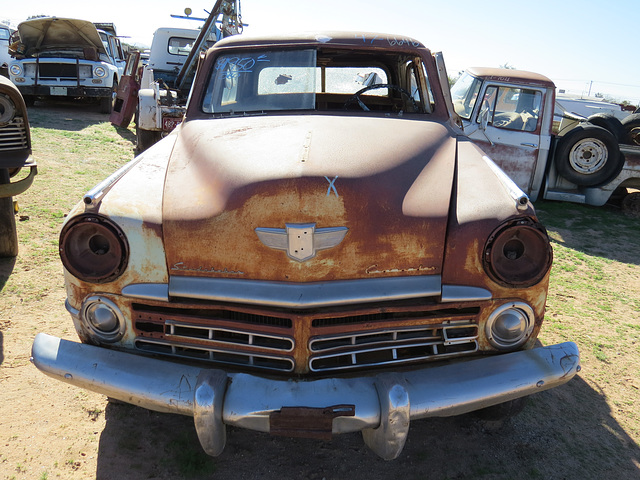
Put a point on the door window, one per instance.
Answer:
(513, 108)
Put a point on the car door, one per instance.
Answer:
(127, 94)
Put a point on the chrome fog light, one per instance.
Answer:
(103, 319)
(510, 325)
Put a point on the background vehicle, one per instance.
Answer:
(168, 75)
(510, 115)
(15, 154)
(64, 57)
(305, 255)
(5, 36)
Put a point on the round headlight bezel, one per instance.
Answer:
(8, 110)
(518, 254)
(15, 70)
(499, 335)
(99, 72)
(88, 315)
(93, 248)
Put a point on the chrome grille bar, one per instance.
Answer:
(214, 354)
(366, 349)
(14, 136)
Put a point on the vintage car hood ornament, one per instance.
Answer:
(239, 191)
(301, 242)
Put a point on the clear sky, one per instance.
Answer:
(581, 45)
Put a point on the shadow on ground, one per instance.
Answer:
(591, 229)
(565, 433)
(71, 116)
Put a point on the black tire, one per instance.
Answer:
(631, 125)
(588, 156)
(611, 123)
(146, 138)
(106, 103)
(8, 231)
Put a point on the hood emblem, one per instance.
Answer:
(301, 241)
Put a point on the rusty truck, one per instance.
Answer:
(510, 115)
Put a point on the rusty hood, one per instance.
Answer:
(308, 198)
(59, 33)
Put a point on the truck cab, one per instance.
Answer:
(510, 115)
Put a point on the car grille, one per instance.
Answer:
(62, 71)
(393, 346)
(307, 343)
(14, 135)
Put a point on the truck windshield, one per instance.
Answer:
(306, 79)
(464, 94)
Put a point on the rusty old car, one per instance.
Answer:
(315, 250)
(17, 167)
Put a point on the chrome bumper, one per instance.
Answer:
(381, 406)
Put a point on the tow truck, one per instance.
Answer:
(159, 92)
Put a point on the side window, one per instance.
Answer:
(513, 108)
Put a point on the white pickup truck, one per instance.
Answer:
(509, 114)
(65, 57)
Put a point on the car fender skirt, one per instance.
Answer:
(381, 406)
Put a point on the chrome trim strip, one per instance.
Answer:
(297, 295)
(93, 197)
(147, 291)
(462, 293)
(434, 390)
(514, 190)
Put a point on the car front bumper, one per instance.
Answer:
(65, 91)
(381, 406)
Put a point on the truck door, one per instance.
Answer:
(127, 95)
(509, 121)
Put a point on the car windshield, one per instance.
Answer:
(464, 94)
(308, 79)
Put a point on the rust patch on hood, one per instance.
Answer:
(388, 181)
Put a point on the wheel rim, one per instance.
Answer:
(588, 156)
(634, 133)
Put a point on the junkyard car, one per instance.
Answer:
(304, 251)
(15, 159)
(67, 58)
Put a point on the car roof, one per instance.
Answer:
(511, 75)
(336, 38)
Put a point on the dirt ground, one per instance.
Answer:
(583, 430)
